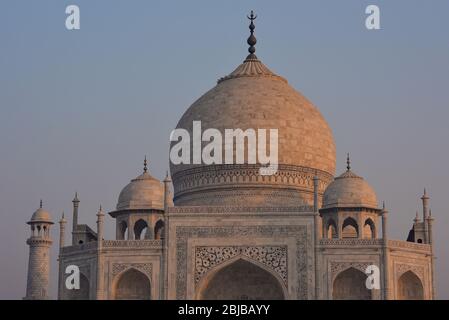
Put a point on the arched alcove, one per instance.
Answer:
(331, 229)
(132, 285)
(410, 287)
(122, 230)
(350, 285)
(140, 229)
(350, 228)
(241, 280)
(159, 230)
(369, 229)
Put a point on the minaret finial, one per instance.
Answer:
(252, 39)
(40, 204)
(145, 169)
(348, 162)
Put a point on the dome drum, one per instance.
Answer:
(225, 184)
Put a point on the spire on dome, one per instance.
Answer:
(40, 204)
(348, 162)
(251, 39)
(145, 169)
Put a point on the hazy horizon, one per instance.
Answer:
(80, 109)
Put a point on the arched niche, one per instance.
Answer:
(350, 284)
(241, 279)
(132, 284)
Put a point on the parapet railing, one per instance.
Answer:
(392, 244)
(408, 245)
(351, 242)
(112, 244)
(80, 247)
(132, 243)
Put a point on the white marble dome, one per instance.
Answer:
(349, 191)
(253, 97)
(41, 215)
(143, 192)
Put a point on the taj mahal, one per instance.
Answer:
(224, 231)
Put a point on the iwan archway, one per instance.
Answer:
(132, 285)
(241, 279)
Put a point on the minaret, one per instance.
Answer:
(317, 234)
(384, 213)
(62, 223)
(100, 273)
(39, 259)
(168, 200)
(425, 209)
(76, 203)
(100, 216)
(429, 222)
(416, 220)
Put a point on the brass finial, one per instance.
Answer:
(40, 204)
(348, 162)
(145, 169)
(252, 39)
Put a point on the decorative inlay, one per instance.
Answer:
(299, 233)
(239, 209)
(132, 243)
(350, 242)
(339, 266)
(146, 268)
(416, 269)
(221, 175)
(274, 257)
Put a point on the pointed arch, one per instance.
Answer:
(159, 230)
(331, 229)
(241, 278)
(369, 229)
(131, 284)
(350, 228)
(122, 230)
(410, 287)
(350, 284)
(140, 229)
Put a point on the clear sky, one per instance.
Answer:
(80, 109)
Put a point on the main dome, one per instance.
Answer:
(253, 97)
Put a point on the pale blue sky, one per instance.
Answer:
(79, 109)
